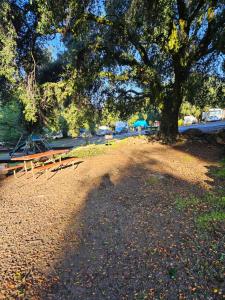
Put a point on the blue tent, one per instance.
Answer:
(140, 123)
(36, 138)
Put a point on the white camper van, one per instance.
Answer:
(214, 114)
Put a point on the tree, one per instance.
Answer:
(205, 90)
(188, 109)
(11, 121)
(127, 53)
(148, 48)
(20, 54)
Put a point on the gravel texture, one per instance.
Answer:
(109, 229)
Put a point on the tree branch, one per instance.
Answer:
(182, 9)
(195, 11)
(207, 38)
(142, 51)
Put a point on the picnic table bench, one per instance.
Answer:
(13, 168)
(54, 165)
(42, 158)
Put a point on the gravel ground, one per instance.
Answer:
(109, 229)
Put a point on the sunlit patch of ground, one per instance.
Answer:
(120, 226)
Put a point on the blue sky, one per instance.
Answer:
(55, 46)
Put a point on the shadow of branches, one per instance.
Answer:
(133, 243)
(111, 229)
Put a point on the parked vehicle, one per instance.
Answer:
(189, 120)
(103, 130)
(85, 133)
(156, 124)
(214, 114)
(54, 135)
(121, 127)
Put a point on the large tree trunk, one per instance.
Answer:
(171, 106)
(169, 120)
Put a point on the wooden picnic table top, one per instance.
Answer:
(40, 155)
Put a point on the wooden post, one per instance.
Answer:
(32, 169)
(25, 167)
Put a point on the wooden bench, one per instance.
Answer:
(13, 168)
(55, 165)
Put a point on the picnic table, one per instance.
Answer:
(34, 159)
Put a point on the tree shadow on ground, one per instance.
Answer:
(131, 242)
(194, 148)
(2, 179)
(213, 153)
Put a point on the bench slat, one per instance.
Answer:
(13, 168)
(56, 164)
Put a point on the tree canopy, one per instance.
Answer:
(124, 55)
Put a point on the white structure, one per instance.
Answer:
(189, 120)
(103, 130)
(214, 114)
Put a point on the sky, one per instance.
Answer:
(55, 46)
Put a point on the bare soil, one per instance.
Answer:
(110, 228)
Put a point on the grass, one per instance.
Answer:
(141, 137)
(113, 144)
(187, 158)
(214, 206)
(216, 200)
(220, 172)
(205, 221)
(95, 150)
(88, 151)
(100, 149)
(152, 180)
(182, 203)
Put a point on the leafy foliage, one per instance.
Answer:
(126, 56)
(149, 50)
(11, 121)
(188, 109)
(7, 44)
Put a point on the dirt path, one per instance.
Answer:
(109, 229)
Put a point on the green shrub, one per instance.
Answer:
(11, 121)
(180, 122)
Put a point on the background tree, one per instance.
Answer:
(12, 123)
(188, 109)
(150, 48)
(130, 54)
(205, 90)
